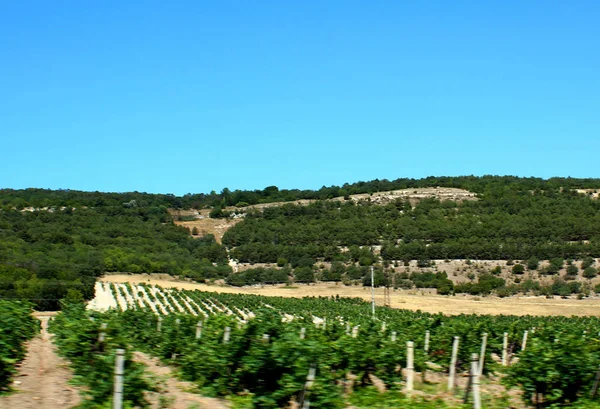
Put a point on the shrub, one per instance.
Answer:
(587, 262)
(518, 269)
(572, 270)
(533, 263)
(590, 272)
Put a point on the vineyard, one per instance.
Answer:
(17, 327)
(260, 350)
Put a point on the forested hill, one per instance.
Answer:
(51, 254)
(39, 198)
(514, 225)
(55, 243)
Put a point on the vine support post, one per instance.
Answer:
(475, 374)
(473, 383)
(505, 350)
(484, 338)
(373, 291)
(426, 347)
(452, 373)
(302, 333)
(410, 365)
(393, 336)
(199, 330)
(310, 380)
(118, 386)
(524, 343)
(158, 324)
(226, 335)
(596, 383)
(102, 333)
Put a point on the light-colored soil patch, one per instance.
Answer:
(175, 393)
(406, 299)
(42, 378)
(206, 225)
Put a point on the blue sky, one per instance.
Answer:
(178, 97)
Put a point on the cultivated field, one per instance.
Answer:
(407, 299)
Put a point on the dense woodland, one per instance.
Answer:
(47, 255)
(55, 243)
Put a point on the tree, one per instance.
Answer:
(304, 274)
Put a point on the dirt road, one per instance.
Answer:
(42, 378)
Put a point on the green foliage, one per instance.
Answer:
(432, 280)
(47, 255)
(557, 367)
(587, 262)
(506, 223)
(304, 274)
(17, 326)
(518, 269)
(572, 270)
(590, 272)
(533, 263)
(76, 336)
(259, 276)
(486, 283)
(271, 371)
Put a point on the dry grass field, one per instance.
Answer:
(407, 299)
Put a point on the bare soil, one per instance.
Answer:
(174, 392)
(42, 378)
(406, 299)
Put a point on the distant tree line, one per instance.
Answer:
(488, 185)
(44, 255)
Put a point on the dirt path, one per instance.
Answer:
(174, 391)
(42, 378)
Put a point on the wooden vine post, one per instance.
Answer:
(505, 350)
(410, 365)
(452, 373)
(226, 335)
(199, 330)
(524, 343)
(102, 333)
(484, 338)
(310, 380)
(118, 385)
(473, 383)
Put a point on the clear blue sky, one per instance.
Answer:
(177, 97)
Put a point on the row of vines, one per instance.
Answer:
(264, 347)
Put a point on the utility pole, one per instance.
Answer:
(373, 291)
